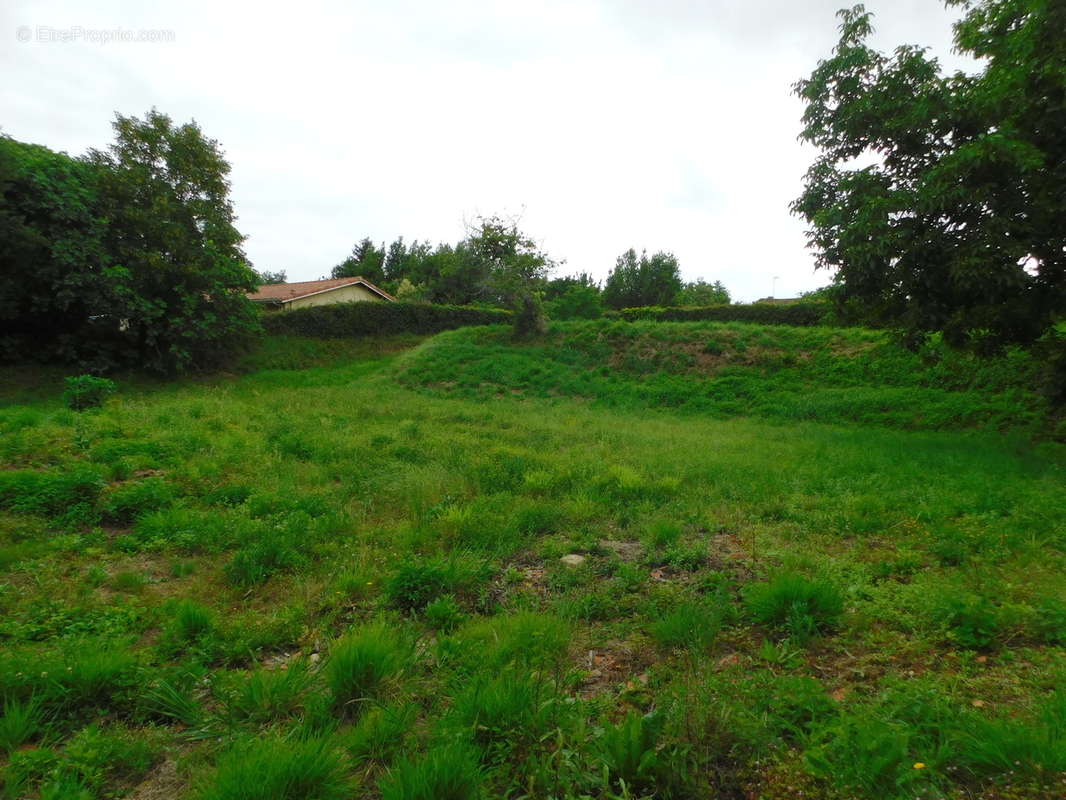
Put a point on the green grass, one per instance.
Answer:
(810, 562)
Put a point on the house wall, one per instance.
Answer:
(345, 294)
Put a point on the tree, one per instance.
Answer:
(55, 272)
(516, 270)
(557, 287)
(654, 281)
(580, 301)
(956, 225)
(268, 278)
(365, 261)
(180, 274)
(701, 293)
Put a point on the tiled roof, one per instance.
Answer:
(284, 292)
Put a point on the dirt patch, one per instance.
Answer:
(162, 783)
(612, 665)
(625, 549)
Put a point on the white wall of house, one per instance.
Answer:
(345, 294)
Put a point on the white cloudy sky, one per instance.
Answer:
(615, 124)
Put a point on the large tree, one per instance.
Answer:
(127, 257)
(181, 275)
(643, 281)
(938, 200)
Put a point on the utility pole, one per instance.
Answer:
(773, 287)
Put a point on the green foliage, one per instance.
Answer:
(577, 302)
(800, 314)
(87, 391)
(372, 319)
(360, 664)
(278, 769)
(633, 753)
(365, 261)
(97, 755)
(953, 226)
(702, 294)
(266, 695)
(503, 714)
(643, 281)
(444, 614)
(378, 735)
(971, 620)
(127, 501)
(19, 722)
(61, 493)
(126, 257)
(447, 772)
(415, 584)
(797, 604)
(690, 625)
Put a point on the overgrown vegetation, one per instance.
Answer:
(311, 581)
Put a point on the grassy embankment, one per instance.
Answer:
(321, 583)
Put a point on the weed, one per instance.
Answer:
(631, 751)
(361, 663)
(970, 620)
(448, 772)
(128, 582)
(125, 502)
(379, 733)
(20, 722)
(444, 614)
(278, 769)
(267, 695)
(416, 583)
(795, 603)
(691, 625)
(505, 713)
(87, 391)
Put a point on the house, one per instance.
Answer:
(286, 296)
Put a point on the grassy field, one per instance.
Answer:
(625, 563)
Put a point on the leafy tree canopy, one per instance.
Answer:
(701, 293)
(938, 200)
(643, 281)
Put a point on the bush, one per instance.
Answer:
(49, 493)
(445, 773)
(801, 606)
(343, 320)
(87, 391)
(416, 584)
(797, 314)
(360, 663)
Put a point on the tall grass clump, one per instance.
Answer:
(279, 769)
(795, 603)
(362, 662)
(447, 772)
(691, 625)
(19, 722)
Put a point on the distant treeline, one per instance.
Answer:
(459, 275)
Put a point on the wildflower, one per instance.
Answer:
(919, 765)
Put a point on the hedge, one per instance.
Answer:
(799, 314)
(345, 320)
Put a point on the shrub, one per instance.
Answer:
(360, 663)
(801, 606)
(265, 555)
(99, 755)
(87, 391)
(343, 320)
(276, 769)
(449, 772)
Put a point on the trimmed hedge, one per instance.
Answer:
(798, 314)
(344, 320)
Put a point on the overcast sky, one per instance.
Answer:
(661, 125)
